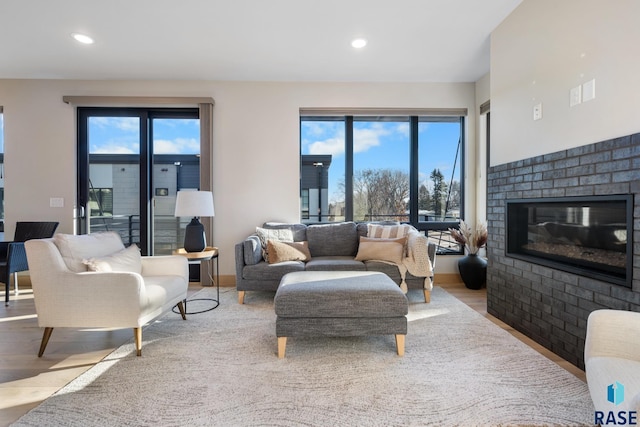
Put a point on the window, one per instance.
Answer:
(384, 167)
(100, 202)
(1, 170)
(304, 202)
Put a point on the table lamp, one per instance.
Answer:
(195, 204)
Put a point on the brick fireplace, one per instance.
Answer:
(547, 304)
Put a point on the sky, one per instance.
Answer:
(120, 135)
(383, 145)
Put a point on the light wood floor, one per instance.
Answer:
(26, 380)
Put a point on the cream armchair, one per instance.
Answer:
(93, 281)
(612, 355)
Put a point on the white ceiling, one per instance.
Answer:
(250, 40)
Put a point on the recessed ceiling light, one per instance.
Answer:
(82, 38)
(359, 43)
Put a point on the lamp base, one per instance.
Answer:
(194, 239)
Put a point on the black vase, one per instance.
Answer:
(473, 270)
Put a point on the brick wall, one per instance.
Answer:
(548, 305)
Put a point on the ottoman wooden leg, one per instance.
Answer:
(399, 344)
(282, 345)
(427, 296)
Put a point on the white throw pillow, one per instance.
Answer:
(76, 248)
(128, 260)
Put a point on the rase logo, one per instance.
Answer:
(615, 395)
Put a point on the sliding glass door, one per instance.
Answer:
(131, 163)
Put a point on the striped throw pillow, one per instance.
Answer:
(379, 231)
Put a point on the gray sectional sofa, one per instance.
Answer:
(333, 247)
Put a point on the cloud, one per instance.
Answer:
(127, 124)
(118, 145)
(176, 146)
(364, 139)
(113, 148)
(333, 146)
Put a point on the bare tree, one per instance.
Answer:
(380, 194)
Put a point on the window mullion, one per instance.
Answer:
(348, 173)
(413, 171)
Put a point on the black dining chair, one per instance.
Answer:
(13, 257)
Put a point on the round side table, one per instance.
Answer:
(208, 255)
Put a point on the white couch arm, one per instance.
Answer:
(98, 299)
(613, 333)
(167, 265)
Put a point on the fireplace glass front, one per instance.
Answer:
(589, 236)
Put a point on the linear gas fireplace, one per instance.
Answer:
(589, 236)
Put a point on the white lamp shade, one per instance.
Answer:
(194, 203)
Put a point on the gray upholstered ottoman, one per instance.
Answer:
(338, 304)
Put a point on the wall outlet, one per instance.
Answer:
(589, 90)
(575, 96)
(537, 111)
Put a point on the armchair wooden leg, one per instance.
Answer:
(45, 340)
(240, 297)
(181, 308)
(400, 344)
(137, 333)
(427, 296)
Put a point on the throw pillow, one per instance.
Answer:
(391, 250)
(389, 232)
(266, 234)
(287, 251)
(128, 260)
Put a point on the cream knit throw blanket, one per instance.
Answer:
(416, 260)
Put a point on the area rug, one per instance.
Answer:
(220, 368)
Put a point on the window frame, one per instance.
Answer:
(414, 120)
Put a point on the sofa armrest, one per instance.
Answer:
(252, 253)
(98, 299)
(165, 265)
(613, 333)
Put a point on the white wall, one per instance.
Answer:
(255, 153)
(545, 48)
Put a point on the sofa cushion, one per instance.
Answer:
(287, 251)
(269, 272)
(128, 260)
(390, 250)
(299, 231)
(334, 263)
(386, 268)
(76, 248)
(339, 239)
